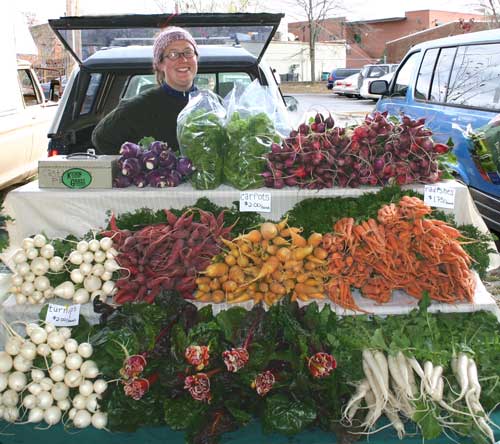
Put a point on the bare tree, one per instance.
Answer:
(493, 8)
(316, 12)
(207, 5)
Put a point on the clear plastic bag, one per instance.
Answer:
(250, 132)
(201, 136)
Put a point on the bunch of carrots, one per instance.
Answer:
(264, 265)
(400, 250)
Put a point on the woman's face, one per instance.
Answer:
(179, 73)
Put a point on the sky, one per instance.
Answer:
(354, 9)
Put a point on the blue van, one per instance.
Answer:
(454, 83)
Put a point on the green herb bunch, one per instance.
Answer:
(202, 139)
(249, 140)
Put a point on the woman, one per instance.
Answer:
(154, 113)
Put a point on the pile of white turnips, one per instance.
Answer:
(91, 266)
(64, 390)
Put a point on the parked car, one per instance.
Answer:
(54, 86)
(347, 87)
(453, 83)
(25, 115)
(109, 75)
(375, 72)
(365, 94)
(339, 74)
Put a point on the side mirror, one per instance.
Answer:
(380, 87)
(291, 103)
(54, 91)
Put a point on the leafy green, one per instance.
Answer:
(478, 245)
(320, 214)
(241, 222)
(202, 138)
(287, 416)
(249, 139)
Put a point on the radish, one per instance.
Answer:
(88, 257)
(45, 400)
(35, 415)
(65, 332)
(17, 381)
(58, 356)
(73, 361)
(64, 404)
(39, 240)
(85, 350)
(86, 388)
(353, 405)
(10, 398)
(82, 246)
(52, 415)
(75, 257)
(94, 245)
(22, 364)
(99, 420)
(11, 414)
(79, 402)
(60, 391)
(55, 340)
(71, 345)
(5, 362)
(379, 375)
(100, 386)
(34, 389)
(106, 243)
(30, 401)
(27, 243)
(47, 251)
(56, 264)
(473, 378)
(82, 419)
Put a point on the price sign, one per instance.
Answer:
(439, 196)
(255, 201)
(63, 315)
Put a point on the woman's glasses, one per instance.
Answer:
(188, 53)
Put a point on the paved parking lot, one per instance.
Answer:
(343, 109)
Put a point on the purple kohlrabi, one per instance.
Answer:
(129, 150)
(184, 166)
(150, 160)
(156, 178)
(157, 147)
(167, 159)
(122, 182)
(174, 178)
(140, 180)
(131, 167)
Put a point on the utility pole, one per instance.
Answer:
(73, 9)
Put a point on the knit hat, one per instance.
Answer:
(169, 35)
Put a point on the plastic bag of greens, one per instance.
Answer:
(486, 150)
(250, 132)
(201, 136)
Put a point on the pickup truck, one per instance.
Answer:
(25, 115)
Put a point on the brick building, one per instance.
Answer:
(396, 49)
(366, 38)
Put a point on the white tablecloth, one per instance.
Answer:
(59, 212)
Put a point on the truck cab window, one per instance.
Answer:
(475, 79)
(439, 88)
(28, 89)
(425, 74)
(403, 76)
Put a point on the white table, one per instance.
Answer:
(59, 212)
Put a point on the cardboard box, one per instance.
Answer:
(81, 171)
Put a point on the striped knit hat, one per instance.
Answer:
(169, 35)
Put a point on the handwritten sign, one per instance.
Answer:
(439, 196)
(63, 315)
(255, 201)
